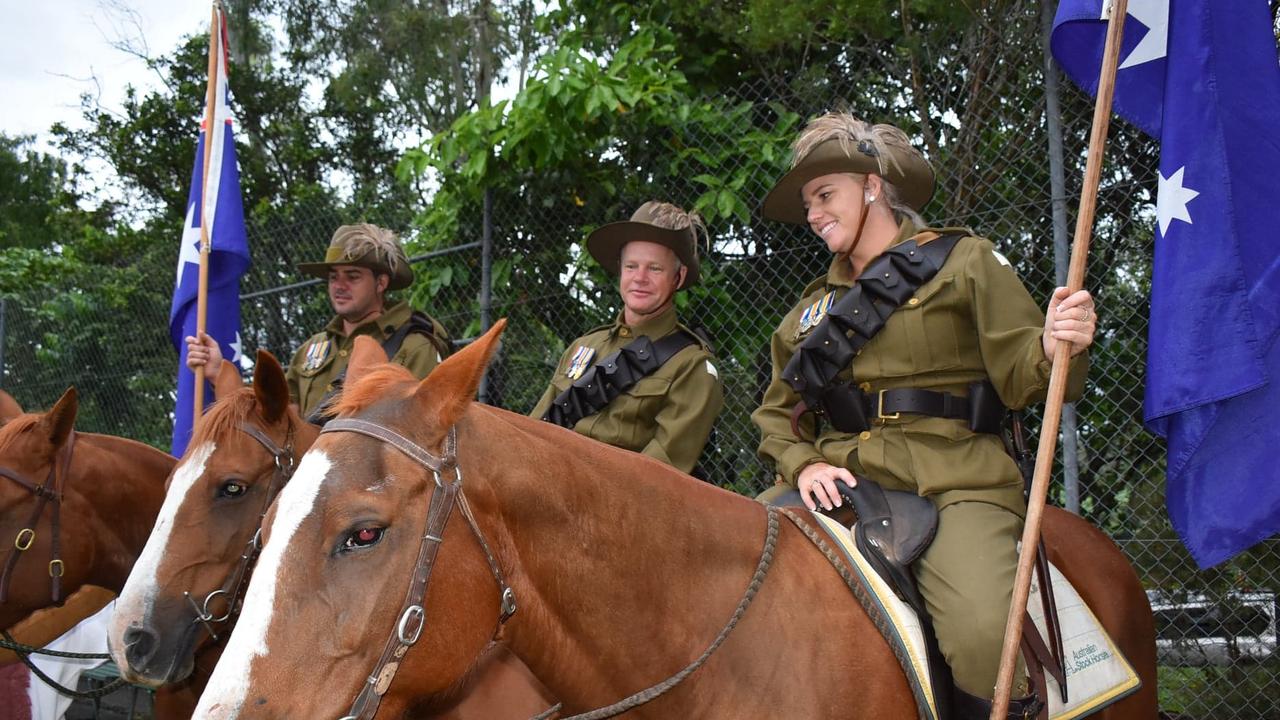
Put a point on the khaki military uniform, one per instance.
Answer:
(972, 320)
(324, 355)
(667, 415)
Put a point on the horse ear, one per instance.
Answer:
(228, 381)
(270, 387)
(61, 418)
(366, 354)
(9, 408)
(448, 389)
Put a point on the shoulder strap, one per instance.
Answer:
(854, 319)
(615, 375)
(421, 324)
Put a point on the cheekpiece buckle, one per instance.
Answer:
(416, 615)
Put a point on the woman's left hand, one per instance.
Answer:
(1069, 318)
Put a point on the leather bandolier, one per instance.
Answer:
(614, 375)
(887, 282)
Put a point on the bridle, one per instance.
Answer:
(413, 615)
(231, 590)
(47, 492)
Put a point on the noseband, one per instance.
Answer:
(49, 491)
(413, 615)
(231, 590)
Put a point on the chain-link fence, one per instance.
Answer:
(990, 121)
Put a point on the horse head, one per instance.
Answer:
(342, 544)
(35, 454)
(185, 587)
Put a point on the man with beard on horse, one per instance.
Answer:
(363, 263)
(919, 394)
(644, 382)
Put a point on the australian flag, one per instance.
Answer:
(228, 251)
(1202, 76)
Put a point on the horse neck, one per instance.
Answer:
(122, 483)
(605, 549)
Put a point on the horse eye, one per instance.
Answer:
(364, 537)
(232, 489)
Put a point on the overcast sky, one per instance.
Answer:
(50, 51)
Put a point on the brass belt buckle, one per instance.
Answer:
(880, 409)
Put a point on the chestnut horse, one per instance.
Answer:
(625, 573)
(75, 508)
(183, 591)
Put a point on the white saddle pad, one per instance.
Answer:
(1097, 673)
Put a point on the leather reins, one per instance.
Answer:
(48, 492)
(413, 616)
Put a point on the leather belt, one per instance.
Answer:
(851, 410)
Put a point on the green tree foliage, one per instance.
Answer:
(74, 299)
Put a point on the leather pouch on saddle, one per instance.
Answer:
(894, 527)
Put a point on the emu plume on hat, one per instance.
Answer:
(656, 222)
(365, 245)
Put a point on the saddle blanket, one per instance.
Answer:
(1097, 674)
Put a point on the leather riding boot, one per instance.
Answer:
(971, 707)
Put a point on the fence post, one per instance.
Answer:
(1058, 196)
(2, 342)
(486, 279)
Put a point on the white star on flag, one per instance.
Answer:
(1172, 199)
(1155, 44)
(236, 349)
(189, 250)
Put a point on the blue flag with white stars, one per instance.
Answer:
(1202, 76)
(228, 255)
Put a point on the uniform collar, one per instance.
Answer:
(841, 271)
(392, 317)
(655, 327)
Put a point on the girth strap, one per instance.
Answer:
(603, 382)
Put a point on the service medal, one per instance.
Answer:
(814, 314)
(316, 354)
(578, 365)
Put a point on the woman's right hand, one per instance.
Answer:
(817, 485)
(204, 353)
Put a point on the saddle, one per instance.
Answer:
(893, 529)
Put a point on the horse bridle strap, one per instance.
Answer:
(285, 464)
(651, 693)
(413, 614)
(49, 491)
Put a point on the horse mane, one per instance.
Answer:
(224, 416)
(10, 430)
(376, 385)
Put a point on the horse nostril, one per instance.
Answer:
(139, 646)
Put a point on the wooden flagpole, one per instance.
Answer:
(202, 292)
(1061, 358)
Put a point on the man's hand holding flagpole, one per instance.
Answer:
(211, 102)
(214, 250)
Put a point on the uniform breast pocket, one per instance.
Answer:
(934, 321)
(639, 409)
